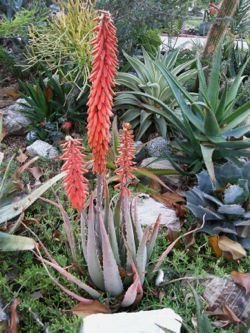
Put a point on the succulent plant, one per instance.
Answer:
(226, 208)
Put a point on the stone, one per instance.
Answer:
(140, 151)
(133, 322)
(154, 163)
(3, 315)
(157, 147)
(14, 122)
(43, 149)
(149, 209)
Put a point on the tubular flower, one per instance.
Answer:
(102, 78)
(125, 159)
(75, 184)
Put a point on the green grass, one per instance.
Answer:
(26, 279)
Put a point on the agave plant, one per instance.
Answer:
(209, 127)
(226, 209)
(148, 79)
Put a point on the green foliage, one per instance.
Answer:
(49, 104)
(148, 79)
(208, 125)
(226, 208)
(62, 46)
(150, 40)
(18, 26)
(134, 16)
(241, 22)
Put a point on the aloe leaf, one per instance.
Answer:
(182, 67)
(220, 111)
(131, 294)
(233, 90)
(112, 279)
(83, 219)
(214, 79)
(179, 94)
(153, 238)
(207, 153)
(15, 243)
(237, 116)
(161, 126)
(138, 66)
(115, 136)
(130, 237)
(94, 266)
(211, 126)
(236, 132)
(134, 217)
(141, 255)
(12, 210)
(145, 123)
(202, 79)
(130, 115)
(128, 80)
(153, 174)
(109, 224)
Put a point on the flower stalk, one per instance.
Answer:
(75, 184)
(102, 78)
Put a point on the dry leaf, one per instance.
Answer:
(170, 199)
(13, 328)
(229, 246)
(48, 93)
(213, 242)
(21, 157)
(84, 310)
(13, 93)
(231, 315)
(242, 279)
(36, 172)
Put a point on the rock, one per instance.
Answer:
(15, 122)
(154, 163)
(224, 291)
(157, 147)
(3, 319)
(43, 149)
(149, 209)
(140, 151)
(133, 322)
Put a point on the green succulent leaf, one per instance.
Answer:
(15, 243)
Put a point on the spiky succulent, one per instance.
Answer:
(226, 208)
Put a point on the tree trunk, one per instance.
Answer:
(217, 31)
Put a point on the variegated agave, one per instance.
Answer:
(226, 208)
(148, 79)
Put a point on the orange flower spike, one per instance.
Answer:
(102, 78)
(125, 158)
(75, 184)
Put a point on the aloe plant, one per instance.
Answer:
(116, 248)
(225, 209)
(148, 79)
(209, 127)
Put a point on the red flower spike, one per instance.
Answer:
(102, 78)
(75, 184)
(125, 159)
